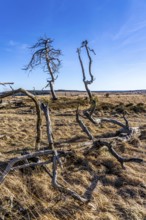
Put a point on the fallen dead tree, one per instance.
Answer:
(56, 159)
(101, 142)
(110, 146)
(125, 132)
(15, 163)
(54, 156)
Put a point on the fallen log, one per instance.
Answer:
(10, 164)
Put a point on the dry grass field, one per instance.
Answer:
(114, 193)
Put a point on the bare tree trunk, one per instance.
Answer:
(84, 76)
(86, 82)
(54, 97)
(88, 90)
(51, 82)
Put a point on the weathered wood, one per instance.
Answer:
(62, 188)
(121, 159)
(45, 109)
(13, 161)
(86, 82)
(40, 163)
(54, 173)
(38, 110)
(49, 130)
(102, 120)
(6, 83)
(83, 127)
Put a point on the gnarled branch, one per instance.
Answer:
(38, 110)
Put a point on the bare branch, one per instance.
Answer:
(39, 119)
(6, 83)
(121, 159)
(10, 165)
(45, 109)
(83, 127)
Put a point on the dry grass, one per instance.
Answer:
(114, 193)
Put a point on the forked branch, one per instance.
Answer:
(121, 159)
(11, 164)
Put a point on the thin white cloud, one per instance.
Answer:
(135, 24)
(129, 28)
(17, 45)
(134, 39)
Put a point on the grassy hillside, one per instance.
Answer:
(114, 193)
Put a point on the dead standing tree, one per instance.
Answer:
(86, 82)
(44, 54)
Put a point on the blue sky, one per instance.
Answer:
(116, 29)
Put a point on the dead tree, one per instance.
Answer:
(46, 56)
(53, 156)
(86, 82)
(16, 163)
(101, 142)
(38, 110)
(125, 132)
